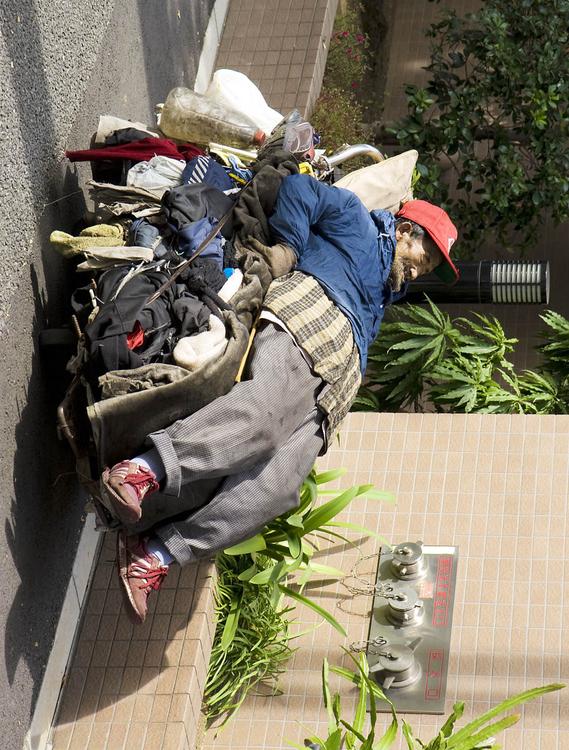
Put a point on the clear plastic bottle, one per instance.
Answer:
(192, 117)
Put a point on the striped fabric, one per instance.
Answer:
(325, 334)
(201, 167)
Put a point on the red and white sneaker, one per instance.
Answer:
(124, 487)
(139, 573)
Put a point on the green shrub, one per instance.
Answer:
(338, 115)
(346, 62)
(338, 118)
(251, 643)
(476, 734)
(495, 112)
(259, 645)
(423, 357)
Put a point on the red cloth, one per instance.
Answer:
(142, 150)
(135, 338)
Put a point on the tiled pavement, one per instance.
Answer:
(281, 45)
(497, 487)
(494, 485)
(141, 688)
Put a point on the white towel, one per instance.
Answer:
(194, 352)
(231, 285)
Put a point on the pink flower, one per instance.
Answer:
(354, 84)
(345, 34)
(360, 38)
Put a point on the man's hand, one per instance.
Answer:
(280, 258)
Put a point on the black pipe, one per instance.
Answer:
(518, 282)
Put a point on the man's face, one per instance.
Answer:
(413, 257)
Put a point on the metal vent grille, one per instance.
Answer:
(518, 282)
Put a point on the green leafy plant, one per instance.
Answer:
(252, 640)
(423, 357)
(338, 114)
(495, 117)
(402, 357)
(351, 735)
(338, 118)
(346, 62)
(477, 734)
(291, 540)
(555, 351)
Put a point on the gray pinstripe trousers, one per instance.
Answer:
(260, 440)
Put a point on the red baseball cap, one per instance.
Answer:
(440, 228)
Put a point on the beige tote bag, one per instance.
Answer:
(385, 185)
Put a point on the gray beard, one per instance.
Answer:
(397, 275)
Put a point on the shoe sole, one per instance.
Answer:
(125, 513)
(122, 565)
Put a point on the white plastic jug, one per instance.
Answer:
(234, 90)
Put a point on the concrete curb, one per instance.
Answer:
(38, 736)
(211, 42)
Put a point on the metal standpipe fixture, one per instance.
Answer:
(409, 636)
(511, 282)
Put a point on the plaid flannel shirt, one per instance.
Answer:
(325, 334)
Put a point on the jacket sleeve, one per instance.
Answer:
(304, 205)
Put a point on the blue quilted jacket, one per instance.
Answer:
(345, 247)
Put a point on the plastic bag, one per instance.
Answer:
(236, 91)
(159, 174)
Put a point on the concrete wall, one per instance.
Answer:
(62, 65)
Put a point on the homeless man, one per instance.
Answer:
(340, 266)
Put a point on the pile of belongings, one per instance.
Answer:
(175, 268)
(174, 273)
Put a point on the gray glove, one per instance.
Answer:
(280, 258)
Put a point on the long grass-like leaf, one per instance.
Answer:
(324, 477)
(315, 607)
(246, 575)
(389, 737)
(231, 623)
(325, 513)
(295, 520)
(294, 544)
(350, 741)
(505, 705)
(332, 723)
(334, 741)
(263, 576)
(254, 544)
(409, 737)
(477, 740)
(448, 726)
(361, 708)
(354, 678)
